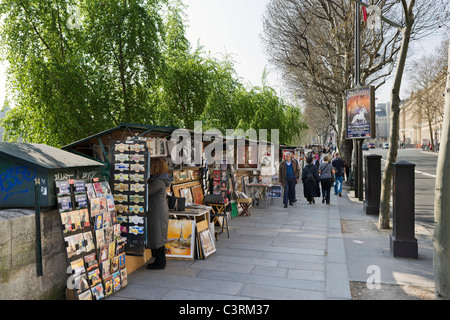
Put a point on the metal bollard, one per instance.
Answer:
(372, 184)
(402, 241)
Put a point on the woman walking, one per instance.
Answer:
(310, 179)
(158, 216)
(326, 171)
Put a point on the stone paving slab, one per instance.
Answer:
(276, 253)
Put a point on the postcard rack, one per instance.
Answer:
(94, 247)
(130, 169)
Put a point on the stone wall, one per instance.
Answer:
(18, 275)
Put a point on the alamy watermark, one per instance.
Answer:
(374, 280)
(235, 147)
(74, 20)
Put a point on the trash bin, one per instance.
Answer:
(22, 163)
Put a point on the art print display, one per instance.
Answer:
(207, 242)
(360, 110)
(216, 187)
(180, 242)
(216, 175)
(197, 194)
(187, 194)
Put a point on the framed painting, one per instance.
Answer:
(197, 193)
(180, 242)
(206, 240)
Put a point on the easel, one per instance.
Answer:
(245, 203)
(217, 212)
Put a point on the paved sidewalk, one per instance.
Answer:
(302, 252)
(276, 253)
(368, 247)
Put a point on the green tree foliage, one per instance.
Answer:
(73, 74)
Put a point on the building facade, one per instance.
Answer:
(382, 121)
(421, 116)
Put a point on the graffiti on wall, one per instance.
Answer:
(13, 181)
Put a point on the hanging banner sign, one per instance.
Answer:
(360, 109)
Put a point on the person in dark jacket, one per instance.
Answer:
(310, 179)
(288, 178)
(158, 215)
(338, 164)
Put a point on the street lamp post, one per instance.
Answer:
(358, 142)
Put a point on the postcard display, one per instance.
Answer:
(94, 247)
(130, 169)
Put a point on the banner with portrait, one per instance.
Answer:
(360, 109)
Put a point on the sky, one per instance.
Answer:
(234, 27)
(231, 27)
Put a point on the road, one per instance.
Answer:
(425, 176)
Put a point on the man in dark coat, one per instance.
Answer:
(158, 216)
(288, 178)
(310, 179)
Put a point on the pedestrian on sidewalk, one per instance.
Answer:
(158, 216)
(325, 171)
(338, 165)
(310, 179)
(288, 179)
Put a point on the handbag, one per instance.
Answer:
(176, 203)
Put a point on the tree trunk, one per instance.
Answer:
(385, 205)
(430, 127)
(441, 255)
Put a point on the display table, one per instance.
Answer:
(264, 190)
(198, 212)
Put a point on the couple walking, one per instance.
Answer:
(311, 176)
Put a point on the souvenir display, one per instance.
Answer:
(129, 190)
(91, 229)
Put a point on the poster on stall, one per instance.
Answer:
(360, 109)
